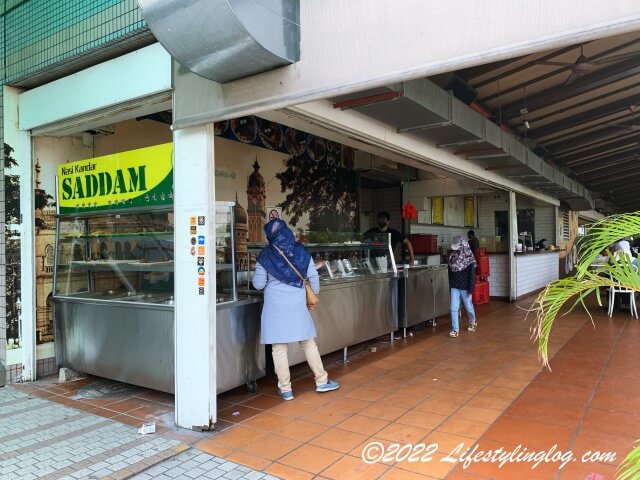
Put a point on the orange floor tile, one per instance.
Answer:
(484, 390)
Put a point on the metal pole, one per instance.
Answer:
(344, 356)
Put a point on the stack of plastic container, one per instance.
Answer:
(481, 291)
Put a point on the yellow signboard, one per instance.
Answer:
(133, 179)
(437, 210)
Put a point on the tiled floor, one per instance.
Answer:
(143, 406)
(47, 440)
(485, 387)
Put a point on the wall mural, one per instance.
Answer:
(12, 250)
(317, 182)
(263, 133)
(45, 229)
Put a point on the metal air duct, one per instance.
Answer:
(224, 40)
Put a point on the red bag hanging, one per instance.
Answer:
(409, 211)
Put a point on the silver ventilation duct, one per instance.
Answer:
(224, 40)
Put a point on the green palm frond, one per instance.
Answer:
(556, 297)
(562, 296)
(629, 469)
(602, 235)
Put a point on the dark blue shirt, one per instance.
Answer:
(464, 279)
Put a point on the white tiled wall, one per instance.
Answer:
(499, 278)
(536, 271)
(487, 206)
(546, 225)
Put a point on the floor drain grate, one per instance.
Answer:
(108, 389)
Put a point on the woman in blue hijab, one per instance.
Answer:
(285, 316)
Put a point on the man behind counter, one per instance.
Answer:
(474, 243)
(378, 233)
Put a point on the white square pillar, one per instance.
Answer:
(195, 308)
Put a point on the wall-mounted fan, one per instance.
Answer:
(584, 65)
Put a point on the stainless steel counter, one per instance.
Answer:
(136, 345)
(423, 294)
(113, 340)
(352, 311)
(240, 358)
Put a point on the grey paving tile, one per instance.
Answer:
(215, 473)
(234, 474)
(254, 476)
(227, 466)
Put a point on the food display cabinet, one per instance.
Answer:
(114, 303)
(113, 296)
(358, 294)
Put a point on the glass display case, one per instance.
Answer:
(226, 288)
(114, 296)
(350, 260)
(126, 257)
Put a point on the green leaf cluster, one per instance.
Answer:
(562, 296)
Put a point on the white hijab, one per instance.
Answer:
(624, 248)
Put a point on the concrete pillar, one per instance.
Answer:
(195, 309)
(20, 140)
(513, 240)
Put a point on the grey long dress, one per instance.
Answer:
(285, 317)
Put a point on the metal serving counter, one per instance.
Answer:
(120, 341)
(135, 344)
(240, 358)
(352, 311)
(423, 294)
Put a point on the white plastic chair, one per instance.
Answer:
(632, 299)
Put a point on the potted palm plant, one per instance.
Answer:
(564, 295)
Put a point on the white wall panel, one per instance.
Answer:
(348, 46)
(138, 74)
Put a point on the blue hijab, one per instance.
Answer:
(280, 236)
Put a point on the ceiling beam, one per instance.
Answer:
(602, 160)
(583, 174)
(584, 117)
(599, 136)
(575, 105)
(608, 146)
(628, 204)
(621, 179)
(535, 62)
(598, 142)
(621, 146)
(584, 84)
(625, 195)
